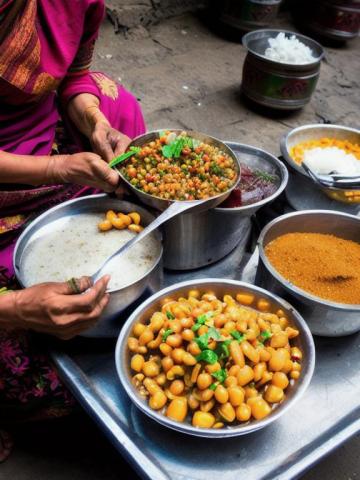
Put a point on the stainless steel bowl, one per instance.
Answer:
(162, 204)
(247, 14)
(324, 317)
(107, 324)
(315, 132)
(197, 239)
(220, 287)
(274, 84)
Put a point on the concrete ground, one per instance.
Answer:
(187, 76)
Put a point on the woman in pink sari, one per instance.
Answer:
(59, 125)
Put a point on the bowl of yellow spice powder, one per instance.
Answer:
(312, 259)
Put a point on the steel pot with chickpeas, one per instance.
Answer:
(215, 357)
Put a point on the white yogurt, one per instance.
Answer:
(73, 246)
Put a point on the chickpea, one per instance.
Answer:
(250, 352)
(260, 409)
(221, 394)
(161, 379)
(203, 381)
(296, 366)
(250, 392)
(187, 322)
(241, 326)
(203, 329)
(194, 348)
(142, 350)
(291, 332)
(175, 371)
(167, 363)
(137, 363)
(287, 367)
(188, 335)
(193, 402)
(177, 387)
(157, 321)
(295, 374)
(279, 340)
(227, 412)
(194, 293)
(230, 381)
(133, 344)
(213, 368)
(177, 409)
(218, 425)
(178, 355)
(207, 406)
(151, 386)
(228, 299)
(230, 326)
(263, 305)
(220, 320)
(146, 336)
(280, 380)
(243, 412)
(157, 341)
(174, 340)
(264, 355)
(274, 394)
(245, 298)
(236, 395)
(118, 223)
(110, 214)
(251, 334)
(138, 329)
(125, 219)
(188, 359)
(206, 395)
(175, 325)
(259, 371)
(135, 228)
(277, 360)
(105, 225)
(245, 375)
(195, 372)
(236, 354)
(151, 368)
(158, 400)
(165, 349)
(135, 217)
(267, 376)
(203, 419)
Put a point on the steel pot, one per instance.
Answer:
(249, 14)
(324, 317)
(193, 240)
(119, 299)
(274, 84)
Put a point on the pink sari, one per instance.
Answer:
(46, 48)
(44, 62)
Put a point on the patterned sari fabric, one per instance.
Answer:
(45, 54)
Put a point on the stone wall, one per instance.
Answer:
(127, 14)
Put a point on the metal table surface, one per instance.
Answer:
(326, 416)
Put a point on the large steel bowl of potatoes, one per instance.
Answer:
(215, 357)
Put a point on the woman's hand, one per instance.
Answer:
(108, 142)
(84, 168)
(53, 307)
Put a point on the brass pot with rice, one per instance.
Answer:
(312, 259)
(281, 68)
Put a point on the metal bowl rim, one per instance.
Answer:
(168, 202)
(121, 344)
(78, 200)
(288, 285)
(285, 137)
(245, 40)
(280, 189)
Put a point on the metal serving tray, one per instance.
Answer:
(327, 415)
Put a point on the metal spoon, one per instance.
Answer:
(174, 209)
(333, 180)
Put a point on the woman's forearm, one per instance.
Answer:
(84, 111)
(26, 169)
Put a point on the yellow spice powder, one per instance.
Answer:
(323, 265)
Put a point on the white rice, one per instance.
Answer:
(288, 50)
(331, 160)
(73, 246)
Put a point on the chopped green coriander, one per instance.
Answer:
(237, 336)
(167, 332)
(213, 386)
(265, 335)
(214, 333)
(222, 349)
(202, 341)
(220, 375)
(207, 356)
(169, 315)
(201, 320)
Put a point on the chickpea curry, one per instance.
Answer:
(178, 167)
(212, 361)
